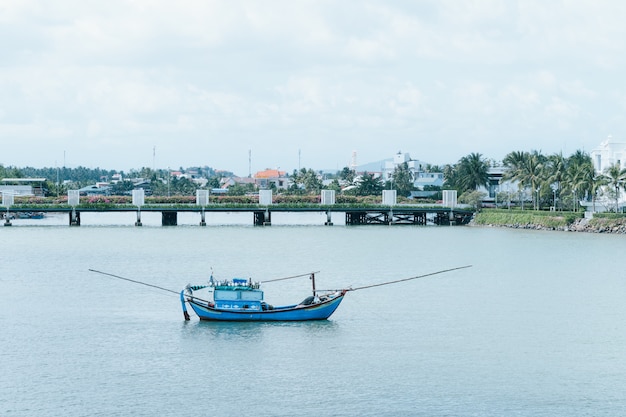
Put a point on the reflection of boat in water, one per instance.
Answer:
(242, 300)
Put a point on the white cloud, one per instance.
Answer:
(208, 80)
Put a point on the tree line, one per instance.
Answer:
(554, 180)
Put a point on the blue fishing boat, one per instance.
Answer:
(242, 300)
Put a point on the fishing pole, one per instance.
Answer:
(144, 283)
(401, 280)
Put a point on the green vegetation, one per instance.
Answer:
(521, 218)
(543, 180)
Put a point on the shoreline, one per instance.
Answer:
(581, 225)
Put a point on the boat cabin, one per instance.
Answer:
(240, 294)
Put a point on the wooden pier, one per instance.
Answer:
(262, 216)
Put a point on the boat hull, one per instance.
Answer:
(320, 311)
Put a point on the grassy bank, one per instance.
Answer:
(527, 218)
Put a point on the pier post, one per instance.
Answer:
(202, 199)
(169, 218)
(329, 221)
(74, 218)
(268, 218)
(202, 218)
(262, 218)
(73, 199)
(7, 201)
(138, 200)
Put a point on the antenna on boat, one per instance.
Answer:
(313, 282)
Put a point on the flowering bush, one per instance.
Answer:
(176, 199)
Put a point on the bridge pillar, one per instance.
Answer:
(262, 218)
(7, 220)
(202, 218)
(169, 218)
(74, 218)
(329, 221)
(138, 222)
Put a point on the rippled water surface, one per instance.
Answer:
(534, 328)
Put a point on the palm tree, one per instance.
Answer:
(451, 176)
(616, 177)
(578, 179)
(473, 172)
(528, 169)
(595, 184)
(557, 172)
(369, 185)
(402, 180)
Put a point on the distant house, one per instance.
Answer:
(142, 184)
(426, 179)
(228, 181)
(96, 189)
(264, 179)
(497, 185)
(433, 179)
(26, 187)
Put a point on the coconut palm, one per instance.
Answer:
(556, 169)
(402, 180)
(616, 178)
(596, 183)
(579, 176)
(473, 172)
(528, 169)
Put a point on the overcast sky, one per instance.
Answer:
(305, 83)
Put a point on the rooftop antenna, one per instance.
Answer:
(154, 158)
(249, 163)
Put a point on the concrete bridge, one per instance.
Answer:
(262, 215)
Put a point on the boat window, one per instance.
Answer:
(252, 295)
(225, 295)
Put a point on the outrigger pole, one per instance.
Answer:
(408, 279)
(308, 274)
(399, 280)
(182, 298)
(135, 281)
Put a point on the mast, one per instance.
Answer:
(313, 282)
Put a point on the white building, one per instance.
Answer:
(414, 165)
(609, 152)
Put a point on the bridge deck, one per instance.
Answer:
(413, 215)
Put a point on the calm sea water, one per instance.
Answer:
(535, 328)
